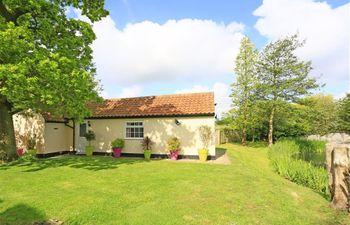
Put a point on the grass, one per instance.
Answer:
(301, 161)
(102, 190)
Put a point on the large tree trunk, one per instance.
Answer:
(244, 136)
(7, 132)
(270, 137)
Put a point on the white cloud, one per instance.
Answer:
(325, 29)
(132, 91)
(187, 49)
(221, 93)
(194, 89)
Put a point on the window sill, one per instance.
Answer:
(133, 138)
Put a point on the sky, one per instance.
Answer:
(159, 47)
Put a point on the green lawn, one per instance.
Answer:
(103, 190)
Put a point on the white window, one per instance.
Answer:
(134, 130)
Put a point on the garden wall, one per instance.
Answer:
(332, 137)
(338, 166)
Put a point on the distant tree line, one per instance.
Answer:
(272, 96)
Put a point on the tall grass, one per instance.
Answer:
(301, 161)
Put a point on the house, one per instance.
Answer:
(158, 117)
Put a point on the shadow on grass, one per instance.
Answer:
(256, 144)
(94, 163)
(21, 214)
(220, 152)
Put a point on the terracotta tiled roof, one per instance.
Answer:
(152, 106)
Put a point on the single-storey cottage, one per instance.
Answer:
(158, 117)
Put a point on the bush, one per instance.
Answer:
(301, 162)
(173, 144)
(31, 143)
(118, 143)
(146, 143)
(90, 136)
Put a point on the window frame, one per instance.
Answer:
(134, 126)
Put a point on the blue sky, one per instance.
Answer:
(161, 47)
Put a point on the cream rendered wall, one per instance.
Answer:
(51, 137)
(28, 125)
(58, 137)
(158, 129)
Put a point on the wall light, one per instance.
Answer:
(177, 122)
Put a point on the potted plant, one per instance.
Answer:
(20, 152)
(31, 143)
(146, 144)
(173, 146)
(205, 133)
(117, 146)
(89, 136)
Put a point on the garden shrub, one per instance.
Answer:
(301, 161)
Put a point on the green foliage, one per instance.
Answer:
(321, 113)
(146, 143)
(27, 157)
(31, 143)
(244, 88)
(46, 69)
(3, 156)
(46, 60)
(267, 84)
(118, 143)
(291, 120)
(173, 144)
(232, 135)
(344, 115)
(90, 136)
(301, 162)
(283, 77)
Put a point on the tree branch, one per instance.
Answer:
(10, 17)
(4, 12)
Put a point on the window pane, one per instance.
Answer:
(134, 130)
(127, 132)
(82, 129)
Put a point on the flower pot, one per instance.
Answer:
(117, 152)
(89, 150)
(174, 155)
(203, 154)
(32, 152)
(20, 152)
(147, 154)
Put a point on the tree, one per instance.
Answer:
(45, 60)
(344, 114)
(321, 113)
(283, 77)
(243, 89)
